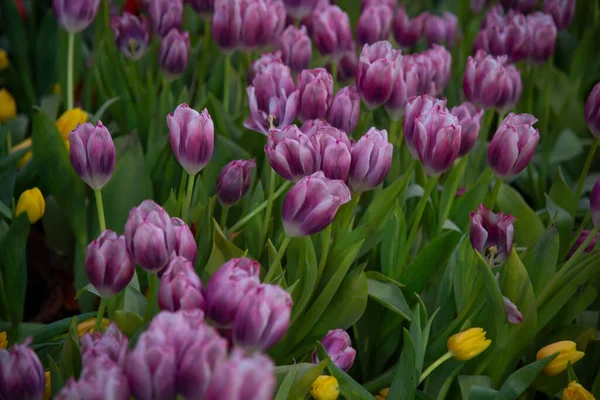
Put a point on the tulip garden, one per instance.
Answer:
(299, 199)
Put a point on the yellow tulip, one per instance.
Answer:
(3, 340)
(382, 394)
(3, 60)
(69, 121)
(567, 352)
(32, 202)
(325, 388)
(576, 392)
(8, 106)
(87, 326)
(468, 344)
(48, 387)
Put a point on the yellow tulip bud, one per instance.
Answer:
(87, 326)
(69, 121)
(325, 388)
(3, 60)
(3, 340)
(567, 352)
(468, 344)
(48, 387)
(32, 202)
(382, 394)
(8, 107)
(576, 392)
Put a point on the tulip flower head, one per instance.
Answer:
(408, 31)
(576, 392)
(468, 344)
(260, 64)
(374, 24)
(592, 111)
(131, 34)
(469, 119)
(513, 314)
(562, 12)
(92, 154)
(295, 47)
(595, 204)
(567, 352)
(185, 243)
(335, 150)
(173, 54)
(111, 344)
(524, 6)
(234, 181)
(315, 87)
(32, 202)
(8, 106)
(298, 9)
(165, 15)
(505, 34)
(331, 31)
(312, 126)
(371, 160)
(377, 71)
(543, 33)
(441, 29)
(293, 154)
(345, 109)
(69, 120)
(346, 66)
(75, 15)
(325, 387)
(492, 234)
(100, 379)
(338, 345)
(180, 287)
(21, 373)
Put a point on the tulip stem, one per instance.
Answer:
(258, 209)
(334, 69)
(226, 76)
(99, 326)
(495, 192)
(70, 58)
(224, 212)
(100, 209)
(325, 240)
(278, 257)
(152, 294)
(188, 197)
(271, 197)
(435, 364)
(586, 168)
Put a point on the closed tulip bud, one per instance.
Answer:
(513, 314)
(227, 287)
(592, 111)
(408, 31)
(331, 31)
(562, 12)
(174, 53)
(405, 87)
(492, 234)
(469, 119)
(293, 154)
(416, 107)
(310, 127)
(377, 71)
(299, 9)
(165, 15)
(509, 35)
(8, 106)
(108, 265)
(468, 344)
(185, 243)
(311, 204)
(131, 34)
(69, 120)
(92, 154)
(345, 109)
(272, 98)
(152, 369)
(513, 145)
(374, 24)
(542, 35)
(175, 330)
(21, 373)
(295, 47)
(75, 15)
(243, 377)
(335, 150)
(325, 387)
(523, 6)
(567, 353)
(441, 63)
(180, 287)
(32, 202)
(111, 344)
(316, 90)
(441, 29)
(424, 73)
(371, 160)
(150, 236)
(490, 82)
(576, 392)
(338, 345)
(234, 181)
(595, 204)
(101, 379)
(227, 25)
(261, 22)
(259, 65)
(263, 317)
(202, 7)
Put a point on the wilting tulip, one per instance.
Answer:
(469, 119)
(150, 236)
(562, 12)
(165, 15)
(513, 314)
(371, 160)
(152, 369)
(272, 98)
(468, 344)
(592, 111)
(567, 353)
(262, 318)
(513, 145)
(310, 127)
(595, 204)
(311, 204)
(111, 344)
(31, 202)
(292, 154)
(338, 345)
(131, 34)
(108, 265)
(377, 71)
(492, 234)
(374, 24)
(180, 287)
(492, 82)
(243, 377)
(509, 35)
(21, 373)
(441, 30)
(524, 6)
(335, 150)
(542, 33)
(101, 379)
(295, 47)
(174, 53)
(345, 109)
(331, 31)
(259, 65)
(325, 387)
(185, 244)
(234, 181)
(315, 88)
(415, 107)
(408, 31)
(75, 15)
(576, 392)
(227, 287)
(202, 7)
(92, 154)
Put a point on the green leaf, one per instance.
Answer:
(564, 223)
(571, 373)
(494, 297)
(70, 359)
(482, 393)
(528, 227)
(404, 384)
(56, 380)
(466, 382)
(47, 332)
(567, 147)
(470, 200)
(389, 295)
(562, 195)
(301, 255)
(305, 380)
(543, 262)
(103, 108)
(451, 185)
(130, 323)
(283, 392)
(393, 241)
(520, 380)
(222, 251)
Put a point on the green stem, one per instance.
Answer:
(326, 238)
(188, 197)
(278, 257)
(70, 68)
(99, 327)
(435, 364)
(223, 224)
(460, 167)
(152, 294)
(495, 192)
(586, 168)
(584, 223)
(226, 77)
(530, 87)
(100, 209)
(181, 192)
(334, 69)
(270, 198)
(207, 35)
(348, 211)
(258, 209)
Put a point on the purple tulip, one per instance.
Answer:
(469, 119)
(180, 288)
(112, 344)
(299, 9)
(316, 90)
(335, 150)
(494, 17)
(592, 111)
(582, 238)
(227, 288)
(234, 181)
(513, 145)
(174, 53)
(272, 98)
(331, 31)
(345, 109)
(108, 265)
(477, 6)
(175, 330)
(21, 373)
(562, 12)
(202, 7)
(492, 234)
(424, 73)
(408, 31)
(310, 127)
(441, 64)
(292, 154)
(338, 345)
(523, 6)
(513, 314)
(131, 34)
(92, 154)
(371, 160)
(227, 25)
(262, 63)
(492, 82)
(263, 317)
(441, 30)
(407, 85)
(243, 377)
(101, 379)
(377, 71)
(185, 243)
(295, 47)
(416, 107)
(374, 24)
(152, 369)
(150, 236)
(364, 4)
(542, 33)
(311, 204)
(595, 204)
(75, 15)
(165, 15)
(192, 136)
